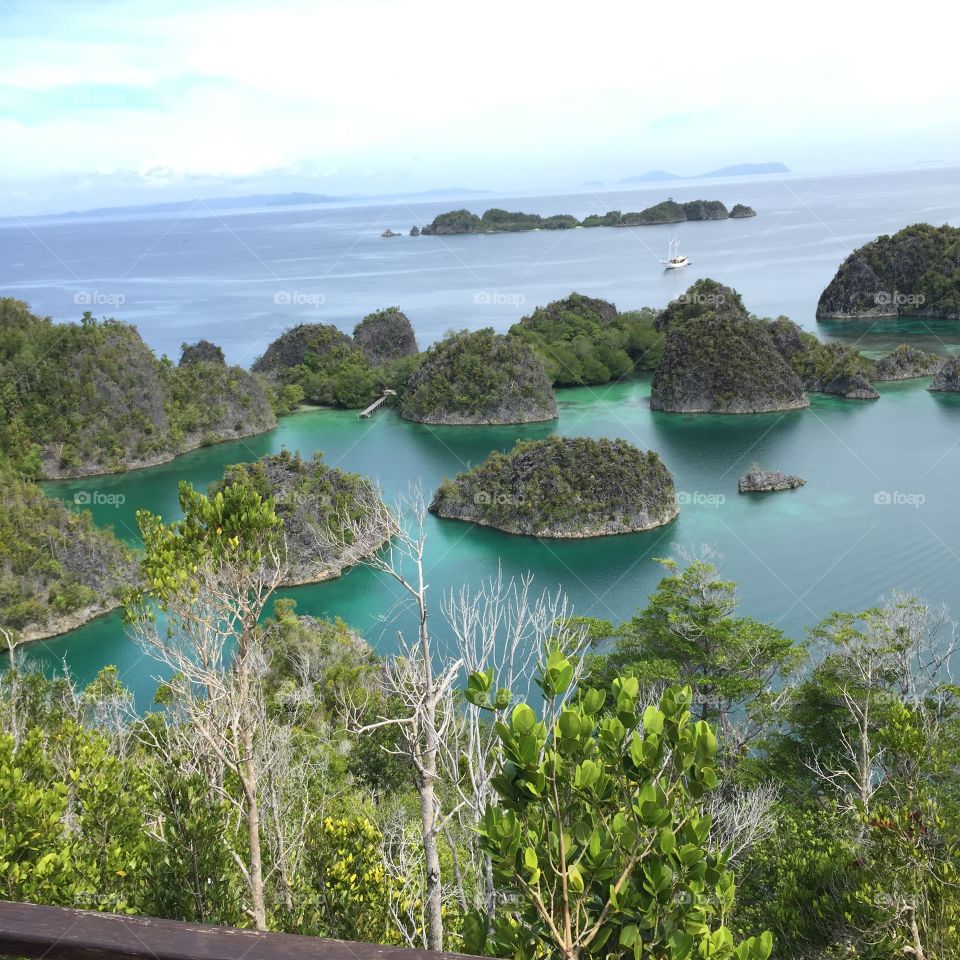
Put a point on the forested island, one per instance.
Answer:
(720, 358)
(58, 569)
(496, 220)
(321, 508)
(479, 377)
(583, 340)
(913, 273)
(320, 364)
(92, 398)
(563, 487)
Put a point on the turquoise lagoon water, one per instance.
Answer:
(878, 511)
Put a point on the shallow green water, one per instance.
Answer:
(833, 544)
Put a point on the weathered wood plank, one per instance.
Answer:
(58, 933)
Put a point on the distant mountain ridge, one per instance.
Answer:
(735, 170)
(295, 198)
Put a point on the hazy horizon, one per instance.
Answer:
(113, 105)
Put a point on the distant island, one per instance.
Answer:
(735, 170)
(252, 200)
(496, 220)
(913, 273)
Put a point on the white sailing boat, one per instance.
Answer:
(675, 259)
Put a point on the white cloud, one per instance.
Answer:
(492, 90)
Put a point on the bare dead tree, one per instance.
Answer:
(213, 648)
(416, 678)
(741, 817)
(904, 652)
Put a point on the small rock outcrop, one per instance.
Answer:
(563, 487)
(385, 335)
(718, 359)
(741, 211)
(907, 363)
(479, 378)
(414, 231)
(947, 378)
(914, 272)
(389, 233)
(203, 351)
(756, 480)
(314, 500)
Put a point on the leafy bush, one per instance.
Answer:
(582, 340)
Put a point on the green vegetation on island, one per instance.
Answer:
(320, 364)
(386, 335)
(914, 273)
(583, 340)
(906, 363)
(479, 377)
(564, 487)
(58, 569)
(503, 221)
(833, 368)
(321, 509)
(203, 351)
(719, 359)
(91, 398)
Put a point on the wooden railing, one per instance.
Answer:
(58, 933)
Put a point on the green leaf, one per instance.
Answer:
(523, 719)
(668, 842)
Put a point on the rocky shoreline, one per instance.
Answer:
(57, 626)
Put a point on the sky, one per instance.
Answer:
(108, 102)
